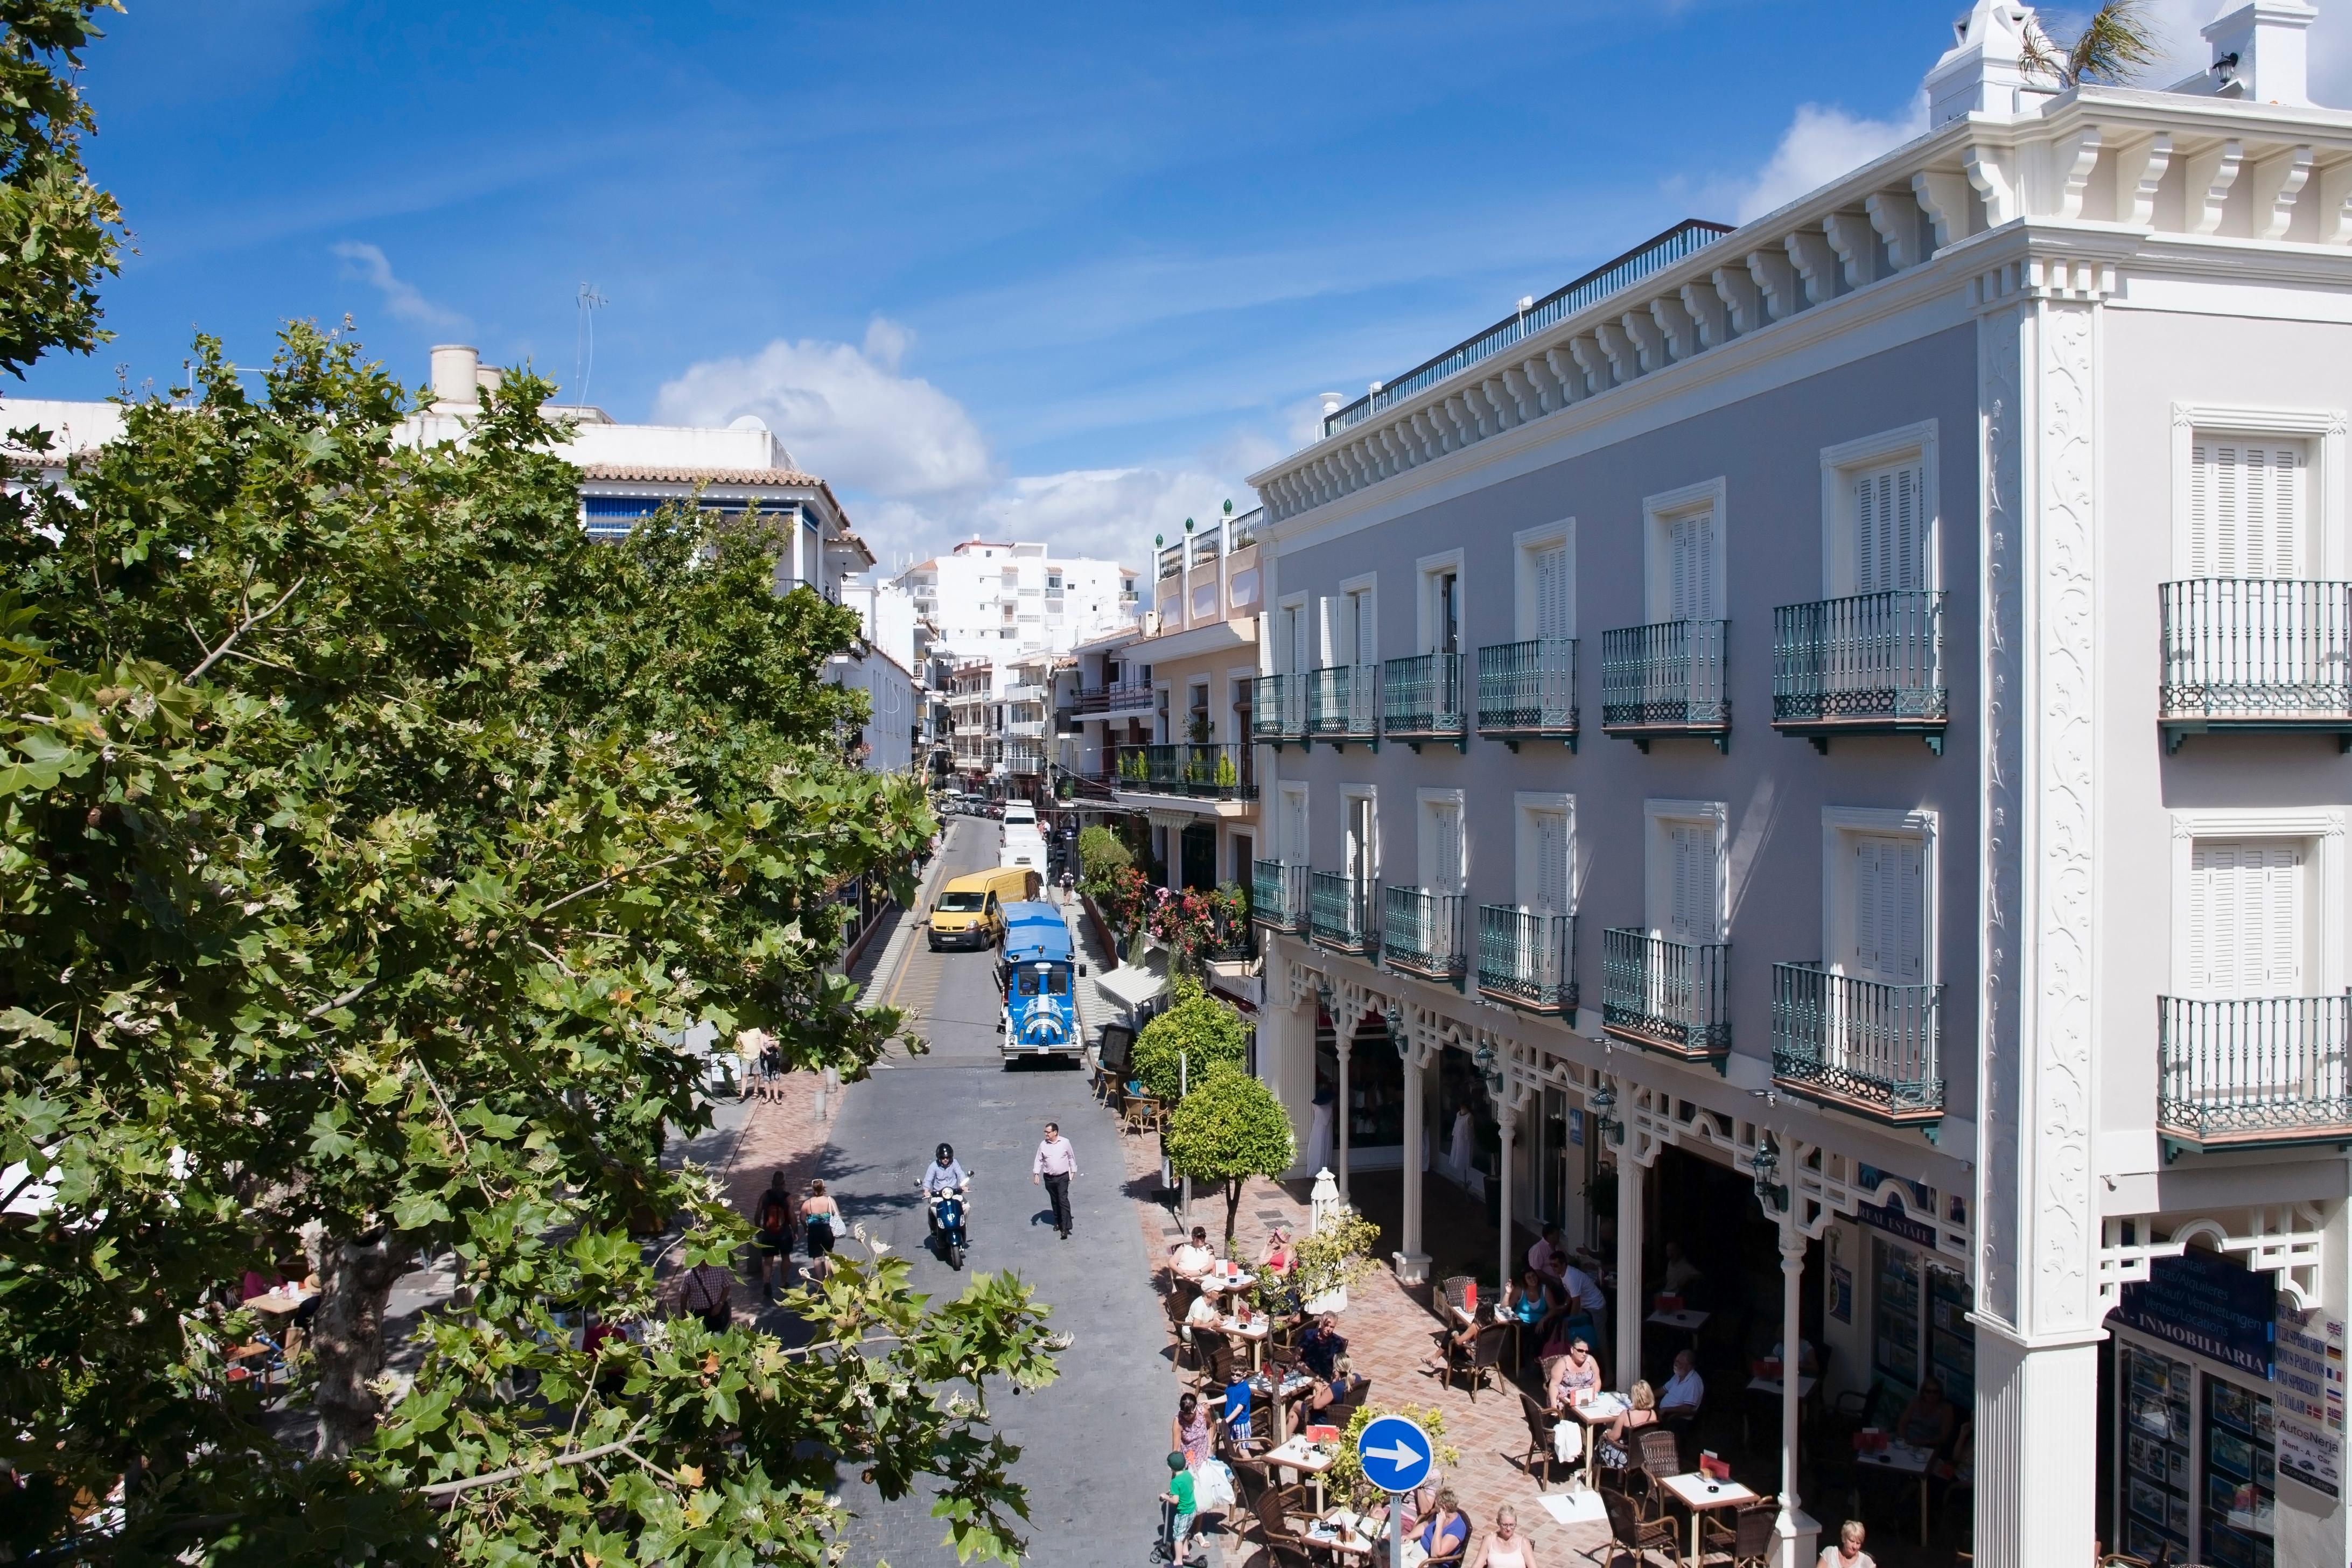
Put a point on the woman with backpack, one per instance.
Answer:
(772, 1237)
(821, 1215)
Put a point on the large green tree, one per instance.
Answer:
(1229, 1129)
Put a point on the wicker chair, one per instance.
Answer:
(1655, 1456)
(1486, 1359)
(1541, 1449)
(1276, 1533)
(1630, 1533)
(1747, 1538)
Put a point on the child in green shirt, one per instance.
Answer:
(1182, 1508)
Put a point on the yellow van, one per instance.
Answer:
(970, 910)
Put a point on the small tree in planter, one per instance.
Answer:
(1229, 1129)
(1196, 1036)
(1331, 1259)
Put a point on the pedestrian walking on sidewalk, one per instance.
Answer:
(771, 1235)
(1056, 1162)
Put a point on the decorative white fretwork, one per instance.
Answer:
(2284, 1240)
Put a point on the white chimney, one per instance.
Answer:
(457, 377)
(1980, 73)
(489, 377)
(2260, 52)
(1332, 403)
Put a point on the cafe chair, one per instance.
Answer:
(1177, 1305)
(1142, 1114)
(1745, 1540)
(1630, 1533)
(1456, 1290)
(1541, 1447)
(1486, 1359)
(1655, 1456)
(1281, 1539)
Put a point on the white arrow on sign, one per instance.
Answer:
(1401, 1455)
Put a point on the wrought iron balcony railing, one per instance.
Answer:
(2255, 654)
(1129, 696)
(1527, 691)
(1204, 771)
(1872, 664)
(1526, 958)
(1421, 933)
(1278, 895)
(1279, 714)
(1858, 1045)
(1171, 560)
(1667, 679)
(1342, 702)
(2253, 1071)
(1339, 914)
(1421, 699)
(1673, 997)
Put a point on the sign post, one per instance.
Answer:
(1395, 1455)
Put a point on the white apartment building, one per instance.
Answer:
(1836, 729)
(997, 601)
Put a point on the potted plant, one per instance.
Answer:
(1331, 1259)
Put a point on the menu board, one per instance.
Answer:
(2155, 1473)
(2307, 1389)
(2241, 1476)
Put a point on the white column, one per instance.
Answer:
(1347, 1110)
(1629, 1268)
(1412, 1263)
(1506, 1105)
(2038, 1314)
(1799, 1536)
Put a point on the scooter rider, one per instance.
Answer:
(944, 1175)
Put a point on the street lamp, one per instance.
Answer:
(1488, 1068)
(1323, 997)
(1393, 1016)
(1603, 1103)
(1770, 1195)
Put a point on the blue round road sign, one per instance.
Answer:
(1395, 1454)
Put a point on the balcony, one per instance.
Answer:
(1171, 561)
(1666, 679)
(1278, 714)
(1025, 729)
(1671, 997)
(1527, 691)
(1341, 703)
(1027, 692)
(1340, 913)
(1200, 771)
(1870, 665)
(1128, 697)
(1278, 896)
(1527, 959)
(1421, 701)
(1859, 1045)
(2250, 654)
(2263, 1072)
(1421, 933)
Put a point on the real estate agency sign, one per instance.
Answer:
(2307, 1398)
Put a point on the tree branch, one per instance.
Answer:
(249, 622)
(602, 882)
(578, 1456)
(346, 1000)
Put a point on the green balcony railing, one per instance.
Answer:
(2254, 654)
(1203, 771)
(1526, 690)
(2253, 1071)
(1669, 997)
(1858, 1044)
(1421, 933)
(1339, 912)
(1668, 679)
(1421, 698)
(1280, 711)
(1526, 958)
(1342, 702)
(1873, 662)
(1278, 895)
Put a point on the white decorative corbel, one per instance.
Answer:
(1943, 195)
(1565, 369)
(2210, 172)
(1816, 264)
(2278, 180)
(1675, 324)
(2335, 203)
(1992, 171)
(1896, 216)
(1618, 348)
(2072, 162)
(1736, 286)
(1705, 308)
(1587, 352)
(2139, 170)
(1776, 280)
(1855, 241)
(1649, 344)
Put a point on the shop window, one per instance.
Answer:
(2241, 1476)
(2154, 1479)
(1895, 1328)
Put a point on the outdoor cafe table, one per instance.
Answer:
(1770, 1388)
(1255, 1332)
(1310, 1459)
(1226, 1276)
(277, 1303)
(1283, 1392)
(1598, 1409)
(1343, 1530)
(1699, 1494)
(1902, 1459)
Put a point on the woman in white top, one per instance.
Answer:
(1505, 1548)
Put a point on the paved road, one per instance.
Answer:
(1093, 1443)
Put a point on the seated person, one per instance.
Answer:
(1809, 1360)
(1338, 1386)
(1927, 1421)
(1277, 1259)
(1531, 1300)
(1443, 1531)
(1322, 1345)
(1190, 1258)
(1549, 1256)
(1684, 1390)
(1577, 1371)
(1644, 1412)
(1679, 1273)
(1203, 1314)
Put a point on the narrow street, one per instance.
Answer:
(1093, 1444)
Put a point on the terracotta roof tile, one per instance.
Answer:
(661, 474)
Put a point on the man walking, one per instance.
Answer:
(1056, 1163)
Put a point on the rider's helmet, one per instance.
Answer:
(947, 1153)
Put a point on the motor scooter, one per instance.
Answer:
(948, 1225)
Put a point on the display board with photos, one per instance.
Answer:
(2155, 1469)
(2241, 1476)
(1894, 1326)
(1951, 1338)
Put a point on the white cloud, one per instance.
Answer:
(370, 265)
(845, 413)
(1823, 142)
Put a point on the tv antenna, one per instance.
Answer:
(584, 340)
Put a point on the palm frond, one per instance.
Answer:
(2039, 57)
(2113, 44)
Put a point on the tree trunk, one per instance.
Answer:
(1232, 1207)
(347, 1338)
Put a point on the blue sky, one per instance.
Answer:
(1063, 272)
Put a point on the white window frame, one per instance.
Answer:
(1286, 653)
(1424, 819)
(1845, 462)
(1369, 584)
(1525, 877)
(1658, 819)
(1659, 514)
(1301, 853)
(2323, 828)
(1426, 573)
(1841, 825)
(1526, 545)
(1370, 795)
(2323, 427)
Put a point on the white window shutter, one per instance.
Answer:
(2245, 919)
(1694, 889)
(1867, 877)
(1367, 632)
(1910, 913)
(1551, 862)
(1449, 849)
(1551, 591)
(2246, 509)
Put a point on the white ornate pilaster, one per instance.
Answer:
(1419, 1045)
(2037, 1304)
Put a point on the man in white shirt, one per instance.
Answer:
(1056, 1163)
(1584, 1294)
(1546, 1258)
(1684, 1391)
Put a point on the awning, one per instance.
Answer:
(1131, 985)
